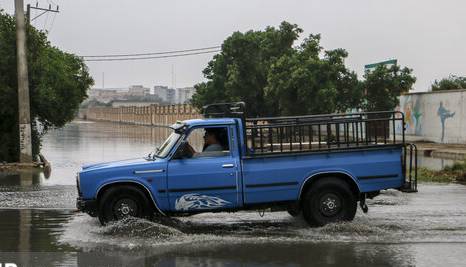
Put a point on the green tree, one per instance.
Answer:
(263, 69)
(384, 85)
(453, 82)
(240, 71)
(58, 82)
(303, 82)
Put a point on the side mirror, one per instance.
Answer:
(181, 151)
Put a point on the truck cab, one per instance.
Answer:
(319, 167)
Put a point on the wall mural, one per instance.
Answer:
(413, 114)
(444, 114)
(434, 117)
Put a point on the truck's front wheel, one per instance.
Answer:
(123, 201)
(329, 200)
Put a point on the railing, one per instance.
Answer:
(316, 133)
(410, 168)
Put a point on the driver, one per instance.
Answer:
(212, 143)
(212, 140)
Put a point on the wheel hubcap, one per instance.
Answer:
(330, 204)
(124, 208)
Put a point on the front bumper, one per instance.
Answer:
(88, 206)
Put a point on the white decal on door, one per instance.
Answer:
(199, 202)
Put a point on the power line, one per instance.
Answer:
(46, 20)
(154, 57)
(53, 21)
(153, 53)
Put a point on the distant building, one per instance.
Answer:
(138, 90)
(107, 95)
(168, 95)
(171, 96)
(184, 94)
(162, 92)
(139, 93)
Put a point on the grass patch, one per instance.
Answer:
(449, 174)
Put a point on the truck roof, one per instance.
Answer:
(203, 122)
(182, 125)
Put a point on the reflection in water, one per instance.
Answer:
(28, 237)
(260, 255)
(23, 178)
(31, 229)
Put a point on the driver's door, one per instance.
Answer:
(203, 182)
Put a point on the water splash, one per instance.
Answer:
(409, 221)
(139, 228)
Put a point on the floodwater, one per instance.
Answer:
(39, 225)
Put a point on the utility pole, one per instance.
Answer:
(24, 110)
(24, 115)
(45, 10)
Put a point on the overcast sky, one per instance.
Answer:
(428, 36)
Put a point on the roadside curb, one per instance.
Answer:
(42, 163)
(441, 151)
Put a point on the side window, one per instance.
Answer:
(208, 142)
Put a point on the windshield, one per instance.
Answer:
(165, 148)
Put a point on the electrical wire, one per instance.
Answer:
(154, 57)
(53, 21)
(153, 53)
(54, 15)
(46, 21)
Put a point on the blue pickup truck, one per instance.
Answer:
(317, 166)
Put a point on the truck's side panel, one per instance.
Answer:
(274, 179)
(140, 174)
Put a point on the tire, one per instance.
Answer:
(123, 201)
(329, 200)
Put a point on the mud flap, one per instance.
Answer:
(362, 203)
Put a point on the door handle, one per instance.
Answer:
(228, 165)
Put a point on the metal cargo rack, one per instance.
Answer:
(329, 132)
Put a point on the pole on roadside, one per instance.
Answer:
(24, 116)
(28, 14)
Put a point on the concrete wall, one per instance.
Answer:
(149, 115)
(435, 116)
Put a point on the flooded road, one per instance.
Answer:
(38, 224)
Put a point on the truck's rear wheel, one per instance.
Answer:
(123, 201)
(329, 200)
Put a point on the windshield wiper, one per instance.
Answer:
(156, 152)
(153, 155)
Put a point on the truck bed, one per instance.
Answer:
(281, 177)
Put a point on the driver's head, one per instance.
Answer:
(211, 136)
